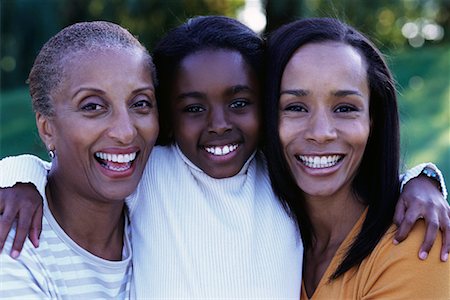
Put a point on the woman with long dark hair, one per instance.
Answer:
(333, 152)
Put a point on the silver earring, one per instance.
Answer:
(51, 154)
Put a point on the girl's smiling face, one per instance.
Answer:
(215, 107)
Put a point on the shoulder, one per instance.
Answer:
(409, 248)
(26, 275)
(395, 271)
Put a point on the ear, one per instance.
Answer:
(46, 129)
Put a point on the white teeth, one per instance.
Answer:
(318, 162)
(118, 169)
(118, 158)
(221, 150)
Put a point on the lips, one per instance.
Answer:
(221, 150)
(319, 162)
(114, 161)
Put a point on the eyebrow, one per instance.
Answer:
(87, 89)
(199, 95)
(196, 95)
(303, 93)
(298, 93)
(101, 92)
(343, 93)
(240, 88)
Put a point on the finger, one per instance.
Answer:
(23, 223)
(6, 221)
(36, 227)
(430, 237)
(445, 241)
(399, 214)
(404, 228)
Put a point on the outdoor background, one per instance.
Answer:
(414, 35)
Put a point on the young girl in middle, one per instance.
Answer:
(215, 228)
(207, 223)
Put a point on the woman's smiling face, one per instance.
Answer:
(215, 108)
(105, 122)
(324, 116)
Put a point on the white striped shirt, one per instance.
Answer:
(60, 269)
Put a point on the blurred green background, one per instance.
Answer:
(414, 35)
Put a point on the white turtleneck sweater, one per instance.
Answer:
(198, 237)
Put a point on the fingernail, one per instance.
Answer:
(395, 242)
(445, 257)
(423, 255)
(14, 254)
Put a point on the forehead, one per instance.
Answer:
(105, 67)
(325, 62)
(215, 67)
(102, 61)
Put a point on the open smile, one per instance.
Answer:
(319, 162)
(221, 150)
(116, 162)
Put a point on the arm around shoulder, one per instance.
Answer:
(25, 169)
(395, 272)
(22, 277)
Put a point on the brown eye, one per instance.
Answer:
(239, 103)
(194, 108)
(91, 107)
(345, 109)
(296, 108)
(142, 104)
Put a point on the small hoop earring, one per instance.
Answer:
(51, 154)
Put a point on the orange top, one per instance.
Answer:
(389, 272)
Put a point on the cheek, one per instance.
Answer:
(186, 131)
(149, 129)
(252, 124)
(360, 135)
(287, 131)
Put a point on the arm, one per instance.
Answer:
(423, 197)
(23, 277)
(21, 201)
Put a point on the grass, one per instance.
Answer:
(423, 77)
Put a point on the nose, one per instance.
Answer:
(122, 128)
(218, 121)
(321, 128)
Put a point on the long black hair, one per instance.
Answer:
(376, 181)
(200, 33)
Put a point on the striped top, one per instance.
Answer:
(60, 269)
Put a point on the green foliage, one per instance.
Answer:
(382, 20)
(18, 133)
(423, 77)
(28, 24)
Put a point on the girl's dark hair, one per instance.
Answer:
(377, 178)
(197, 34)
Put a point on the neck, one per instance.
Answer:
(96, 226)
(333, 217)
